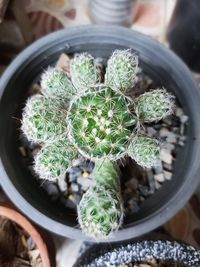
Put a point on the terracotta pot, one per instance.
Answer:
(19, 219)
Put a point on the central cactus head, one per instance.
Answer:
(100, 123)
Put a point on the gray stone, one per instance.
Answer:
(85, 182)
(157, 185)
(158, 168)
(171, 138)
(179, 112)
(151, 131)
(74, 187)
(184, 119)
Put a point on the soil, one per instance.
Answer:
(138, 184)
(17, 248)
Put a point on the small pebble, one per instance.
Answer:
(84, 182)
(164, 132)
(166, 156)
(62, 183)
(159, 167)
(179, 112)
(159, 177)
(151, 131)
(74, 187)
(184, 119)
(171, 138)
(167, 175)
(157, 185)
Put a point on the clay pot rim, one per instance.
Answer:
(19, 219)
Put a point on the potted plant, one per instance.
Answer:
(62, 219)
(141, 253)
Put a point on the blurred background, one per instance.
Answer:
(175, 23)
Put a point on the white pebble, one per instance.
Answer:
(166, 156)
(168, 175)
(159, 177)
(164, 132)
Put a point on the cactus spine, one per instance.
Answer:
(100, 212)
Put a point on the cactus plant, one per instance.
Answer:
(154, 105)
(100, 211)
(56, 84)
(145, 151)
(84, 72)
(53, 160)
(98, 121)
(43, 119)
(121, 70)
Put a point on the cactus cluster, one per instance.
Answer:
(80, 116)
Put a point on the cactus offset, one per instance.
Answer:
(121, 70)
(56, 84)
(53, 160)
(145, 151)
(100, 212)
(154, 105)
(100, 123)
(43, 119)
(84, 73)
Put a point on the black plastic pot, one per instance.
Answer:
(103, 256)
(183, 33)
(159, 63)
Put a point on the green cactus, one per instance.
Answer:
(121, 70)
(43, 119)
(53, 160)
(100, 212)
(84, 73)
(56, 84)
(100, 123)
(145, 151)
(154, 105)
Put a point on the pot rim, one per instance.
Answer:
(16, 217)
(183, 193)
